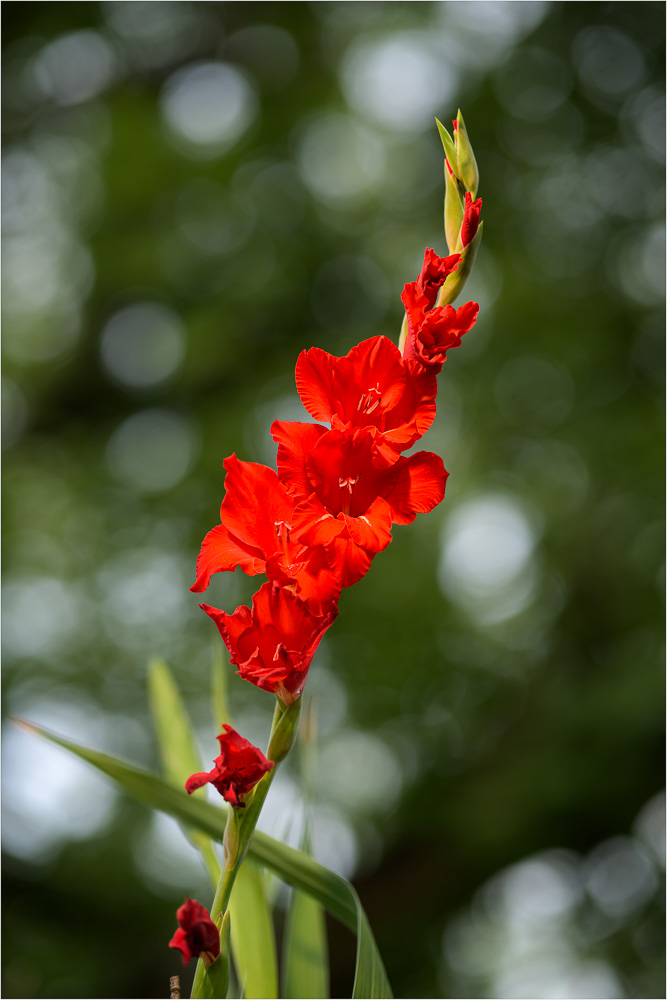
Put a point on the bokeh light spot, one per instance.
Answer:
(400, 81)
(339, 159)
(207, 107)
(620, 876)
(486, 563)
(75, 67)
(143, 344)
(151, 451)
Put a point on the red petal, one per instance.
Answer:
(231, 627)
(196, 781)
(254, 502)
(419, 487)
(180, 941)
(372, 530)
(295, 443)
(220, 551)
(314, 379)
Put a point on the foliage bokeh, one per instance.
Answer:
(192, 194)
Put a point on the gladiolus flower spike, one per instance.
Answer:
(313, 526)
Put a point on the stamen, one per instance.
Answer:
(348, 484)
(370, 400)
(281, 652)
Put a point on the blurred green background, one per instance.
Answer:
(192, 194)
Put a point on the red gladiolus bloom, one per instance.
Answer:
(272, 644)
(197, 934)
(255, 534)
(346, 503)
(237, 770)
(470, 223)
(432, 332)
(434, 271)
(370, 387)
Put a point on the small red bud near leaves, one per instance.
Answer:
(197, 935)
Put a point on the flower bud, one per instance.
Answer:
(467, 164)
(451, 154)
(230, 840)
(284, 732)
(197, 936)
(453, 208)
(470, 222)
(455, 281)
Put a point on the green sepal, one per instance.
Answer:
(284, 731)
(467, 171)
(454, 206)
(455, 281)
(450, 149)
(215, 982)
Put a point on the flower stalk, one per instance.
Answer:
(240, 826)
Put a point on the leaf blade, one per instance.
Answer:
(306, 956)
(253, 937)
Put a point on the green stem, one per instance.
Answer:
(241, 823)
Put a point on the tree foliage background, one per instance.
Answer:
(192, 194)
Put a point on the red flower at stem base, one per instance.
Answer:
(237, 770)
(197, 935)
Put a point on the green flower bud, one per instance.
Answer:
(467, 164)
(230, 840)
(454, 206)
(455, 281)
(284, 732)
(450, 149)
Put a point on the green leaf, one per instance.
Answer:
(178, 750)
(253, 937)
(305, 947)
(333, 892)
(175, 740)
(219, 703)
(306, 972)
